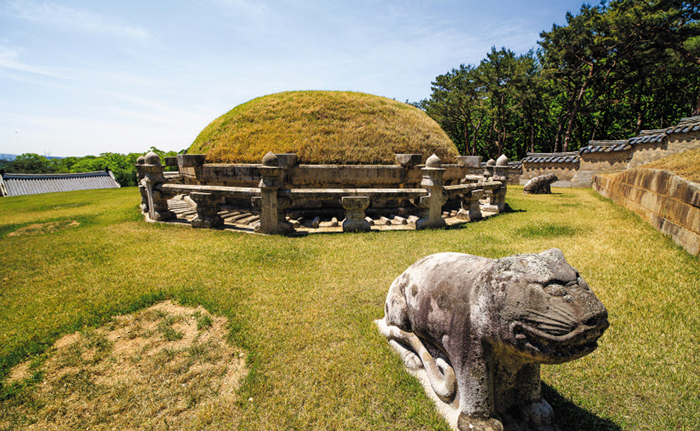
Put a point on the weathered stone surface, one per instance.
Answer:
(152, 158)
(470, 161)
(190, 160)
(431, 205)
(478, 330)
(408, 160)
(540, 185)
(355, 207)
(207, 216)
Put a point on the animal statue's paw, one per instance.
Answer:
(539, 415)
(409, 358)
(469, 423)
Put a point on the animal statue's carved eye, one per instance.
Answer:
(555, 289)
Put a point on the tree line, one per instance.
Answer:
(121, 165)
(612, 70)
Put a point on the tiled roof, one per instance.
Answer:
(606, 146)
(644, 139)
(689, 124)
(570, 157)
(30, 184)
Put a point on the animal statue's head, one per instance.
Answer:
(546, 311)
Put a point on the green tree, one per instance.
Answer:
(31, 163)
(610, 71)
(456, 103)
(578, 57)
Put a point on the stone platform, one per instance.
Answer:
(246, 221)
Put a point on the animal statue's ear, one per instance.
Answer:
(553, 253)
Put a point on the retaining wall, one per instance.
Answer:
(670, 203)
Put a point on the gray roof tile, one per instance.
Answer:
(29, 184)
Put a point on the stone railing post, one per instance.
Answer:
(355, 207)
(207, 214)
(140, 175)
(499, 197)
(191, 164)
(431, 205)
(271, 205)
(470, 205)
(153, 177)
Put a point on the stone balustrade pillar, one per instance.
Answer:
(207, 213)
(153, 177)
(272, 207)
(431, 205)
(471, 209)
(140, 175)
(499, 197)
(355, 207)
(191, 165)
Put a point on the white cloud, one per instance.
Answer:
(77, 19)
(9, 59)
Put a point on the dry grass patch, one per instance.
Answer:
(684, 164)
(164, 367)
(323, 127)
(44, 228)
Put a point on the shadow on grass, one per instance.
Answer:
(570, 417)
(509, 209)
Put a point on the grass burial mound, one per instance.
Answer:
(323, 127)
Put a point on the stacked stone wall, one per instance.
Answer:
(670, 203)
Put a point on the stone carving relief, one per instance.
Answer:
(477, 330)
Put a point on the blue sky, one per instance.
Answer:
(86, 77)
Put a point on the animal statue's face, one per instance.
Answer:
(547, 311)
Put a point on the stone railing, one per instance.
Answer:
(276, 185)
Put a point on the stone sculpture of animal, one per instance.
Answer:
(481, 328)
(540, 185)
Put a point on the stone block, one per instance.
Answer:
(408, 160)
(470, 161)
(190, 160)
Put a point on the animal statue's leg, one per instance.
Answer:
(538, 413)
(440, 374)
(474, 385)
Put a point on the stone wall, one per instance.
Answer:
(601, 163)
(564, 165)
(667, 201)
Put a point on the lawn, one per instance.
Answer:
(302, 310)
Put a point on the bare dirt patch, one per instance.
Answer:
(165, 367)
(44, 228)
